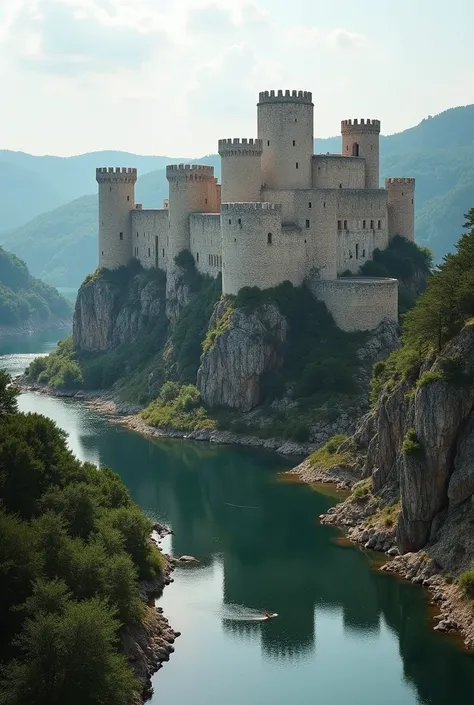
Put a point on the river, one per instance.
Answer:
(345, 635)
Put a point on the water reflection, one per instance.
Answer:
(345, 634)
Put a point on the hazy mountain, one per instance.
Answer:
(61, 246)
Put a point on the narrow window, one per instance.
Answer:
(102, 253)
(340, 185)
(307, 223)
(137, 233)
(296, 119)
(380, 224)
(355, 150)
(240, 221)
(357, 251)
(363, 224)
(149, 255)
(297, 165)
(339, 224)
(363, 254)
(205, 201)
(128, 198)
(121, 236)
(412, 201)
(309, 204)
(294, 143)
(197, 256)
(345, 225)
(268, 143)
(111, 188)
(230, 222)
(209, 260)
(163, 251)
(144, 234)
(269, 239)
(403, 193)
(371, 224)
(324, 204)
(350, 254)
(305, 242)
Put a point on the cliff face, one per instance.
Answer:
(107, 314)
(231, 370)
(435, 477)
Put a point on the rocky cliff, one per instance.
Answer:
(416, 448)
(109, 312)
(247, 347)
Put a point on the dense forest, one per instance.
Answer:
(73, 547)
(23, 298)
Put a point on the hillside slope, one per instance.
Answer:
(27, 304)
(60, 246)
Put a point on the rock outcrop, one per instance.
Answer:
(231, 370)
(435, 480)
(108, 314)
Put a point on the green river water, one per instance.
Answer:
(345, 635)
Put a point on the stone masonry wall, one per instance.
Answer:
(358, 304)
(256, 250)
(338, 171)
(206, 242)
(149, 237)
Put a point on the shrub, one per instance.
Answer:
(428, 377)
(179, 408)
(362, 489)
(330, 456)
(466, 583)
(411, 445)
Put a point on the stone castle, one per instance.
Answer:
(281, 213)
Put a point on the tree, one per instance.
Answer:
(69, 659)
(8, 394)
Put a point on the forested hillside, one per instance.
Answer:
(24, 299)
(60, 246)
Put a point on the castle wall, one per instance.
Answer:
(358, 304)
(241, 170)
(338, 171)
(285, 126)
(401, 208)
(116, 200)
(316, 216)
(206, 242)
(361, 138)
(362, 226)
(149, 236)
(256, 250)
(287, 201)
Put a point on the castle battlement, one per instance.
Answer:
(240, 147)
(360, 125)
(305, 97)
(189, 172)
(280, 213)
(402, 181)
(257, 206)
(117, 173)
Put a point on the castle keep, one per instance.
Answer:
(282, 213)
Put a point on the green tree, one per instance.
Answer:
(8, 394)
(69, 659)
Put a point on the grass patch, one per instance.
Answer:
(178, 407)
(430, 376)
(362, 490)
(466, 583)
(330, 456)
(388, 515)
(222, 324)
(411, 445)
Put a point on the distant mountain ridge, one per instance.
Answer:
(60, 246)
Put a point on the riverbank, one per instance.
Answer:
(33, 326)
(149, 644)
(127, 415)
(376, 530)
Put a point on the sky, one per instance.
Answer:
(171, 77)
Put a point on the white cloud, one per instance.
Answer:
(312, 38)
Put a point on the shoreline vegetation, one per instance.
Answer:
(80, 566)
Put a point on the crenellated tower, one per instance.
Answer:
(192, 189)
(360, 138)
(401, 208)
(285, 126)
(241, 173)
(116, 200)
